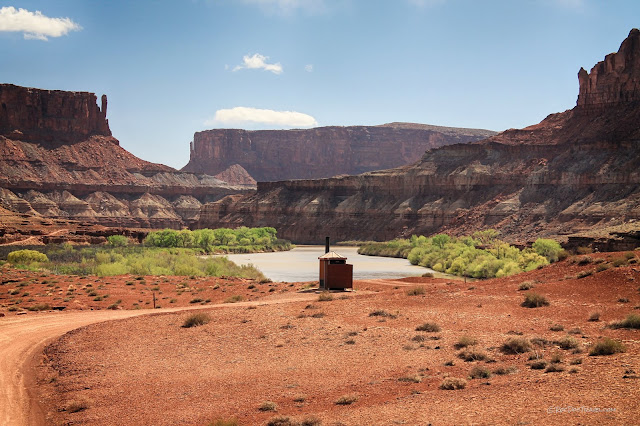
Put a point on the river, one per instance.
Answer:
(301, 264)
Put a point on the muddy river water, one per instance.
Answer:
(301, 264)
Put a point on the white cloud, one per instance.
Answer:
(34, 25)
(308, 68)
(287, 7)
(259, 61)
(244, 116)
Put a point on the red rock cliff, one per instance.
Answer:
(59, 160)
(46, 116)
(575, 171)
(615, 80)
(270, 155)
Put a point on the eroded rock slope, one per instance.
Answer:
(575, 171)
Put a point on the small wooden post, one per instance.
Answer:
(154, 300)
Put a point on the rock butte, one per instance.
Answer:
(575, 175)
(59, 160)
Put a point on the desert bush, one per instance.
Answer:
(410, 379)
(224, 422)
(416, 291)
(568, 342)
(430, 327)
(473, 354)
(607, 346)
(465, 341)
(347, 399)
(453, 383)
(76, 405)
(26, 257)
(526, 285)
(478, 372)
(594, 316)
(234, 299)
(196, 319)
(268, 406)
(602, 267)
(631, 321)
(619, 261)
(516, 345)
(538, 365)
(584, 260)
(381, 313)
(556, 327)
(501, 371)
(584, 274)
(584, 250)
(534, 300)
(554, 368)
(325, 296)
(39, 307)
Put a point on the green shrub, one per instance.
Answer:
(26, 257)
(607, 347)
(548, 248)
(117, 241)
(196, 319)
(534, 300)
(234, 299)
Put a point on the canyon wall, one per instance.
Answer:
(271, 155)
(48, 116)
(577, 171)
(59, 160)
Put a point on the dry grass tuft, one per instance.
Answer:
(453, 383)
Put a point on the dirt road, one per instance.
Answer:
(22, 339)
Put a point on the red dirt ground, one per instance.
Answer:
(305, 356)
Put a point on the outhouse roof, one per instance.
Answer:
(331, 255)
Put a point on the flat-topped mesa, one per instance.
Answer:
(616, 80)
(273, 155)
(51, 116)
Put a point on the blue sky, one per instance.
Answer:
(174, 67)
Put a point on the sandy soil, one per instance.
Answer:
(306, 356)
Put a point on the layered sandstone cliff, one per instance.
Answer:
(59, 160)
(271, 155)
(575, 171)
(48, 116)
